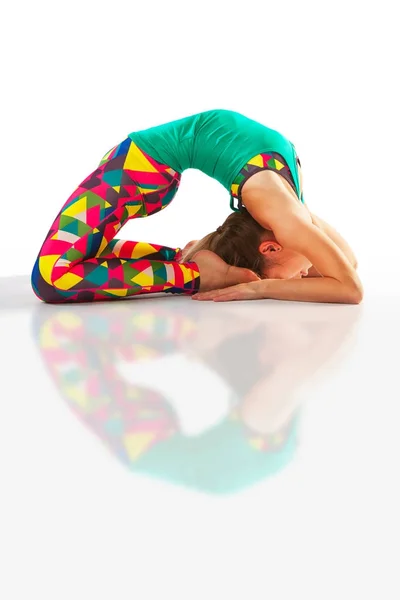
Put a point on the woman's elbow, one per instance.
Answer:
(356, 295)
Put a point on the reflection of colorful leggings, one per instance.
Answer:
(137, 423)
(80, 261)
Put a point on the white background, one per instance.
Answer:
(76, 79)
(79, 76)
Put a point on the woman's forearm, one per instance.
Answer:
(315, 289)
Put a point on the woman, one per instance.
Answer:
(81, 261)
(242, 241)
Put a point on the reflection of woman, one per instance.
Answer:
(141, 425)
(268, 360)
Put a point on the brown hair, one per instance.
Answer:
(237, 242)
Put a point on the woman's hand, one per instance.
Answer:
(242, 291)
(189, 245)
(184, 252)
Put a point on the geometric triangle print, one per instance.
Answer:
(278, 164)
(123, 192)
(159, 268)
(113, 178)
(111, 196)
(71, 227)
(73, 254)
(168, 254)
(94, 242)
(99, 276)
(81, 216)
(114, 283)
(159, 280)
(143, 278)
(83, 229)
(65, 221)
(127, 179)
(123, 147)
(135, 157)
(79, 205)
(256, 161)
(82, 245)
(137, 443)
(93, 216)
(132, 190)
(93, 181)
(114, 164)
(89, 267)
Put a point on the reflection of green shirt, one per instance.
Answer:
(219, 461)
(217, 142)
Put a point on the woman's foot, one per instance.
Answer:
(216, 274)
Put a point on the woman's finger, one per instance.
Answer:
(207, 295)
(204, 296)
(217, 295)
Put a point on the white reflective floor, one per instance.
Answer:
(165, 448)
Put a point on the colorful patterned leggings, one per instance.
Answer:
(80, 259)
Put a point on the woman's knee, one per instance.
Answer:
(45, 291)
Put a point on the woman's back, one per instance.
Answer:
(217, 142)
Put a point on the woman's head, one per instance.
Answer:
(242, 242)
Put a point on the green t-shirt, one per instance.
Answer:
(217, 142)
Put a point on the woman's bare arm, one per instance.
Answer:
(270, 203)
(330, 232)
(335, 237)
